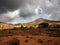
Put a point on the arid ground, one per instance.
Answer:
(21, 35)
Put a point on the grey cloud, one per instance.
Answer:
(54, 16)
(8, 16)
(15, 4)
(27, 10)
(52, 11)
(12, 5)
(9, 5)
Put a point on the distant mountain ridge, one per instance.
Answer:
(33, 24)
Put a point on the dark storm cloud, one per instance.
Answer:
(11, 10)
(8, 10)
(9, 5)
(27, 10)
(12, 5)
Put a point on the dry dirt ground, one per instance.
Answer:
(29, 39)
(32, 40)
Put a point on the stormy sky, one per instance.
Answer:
(52, 9)
(24, 11)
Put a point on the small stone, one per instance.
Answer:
(40, 41)
(26, 41)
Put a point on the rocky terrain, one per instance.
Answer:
(34, 33)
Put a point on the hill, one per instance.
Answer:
(33, 24)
